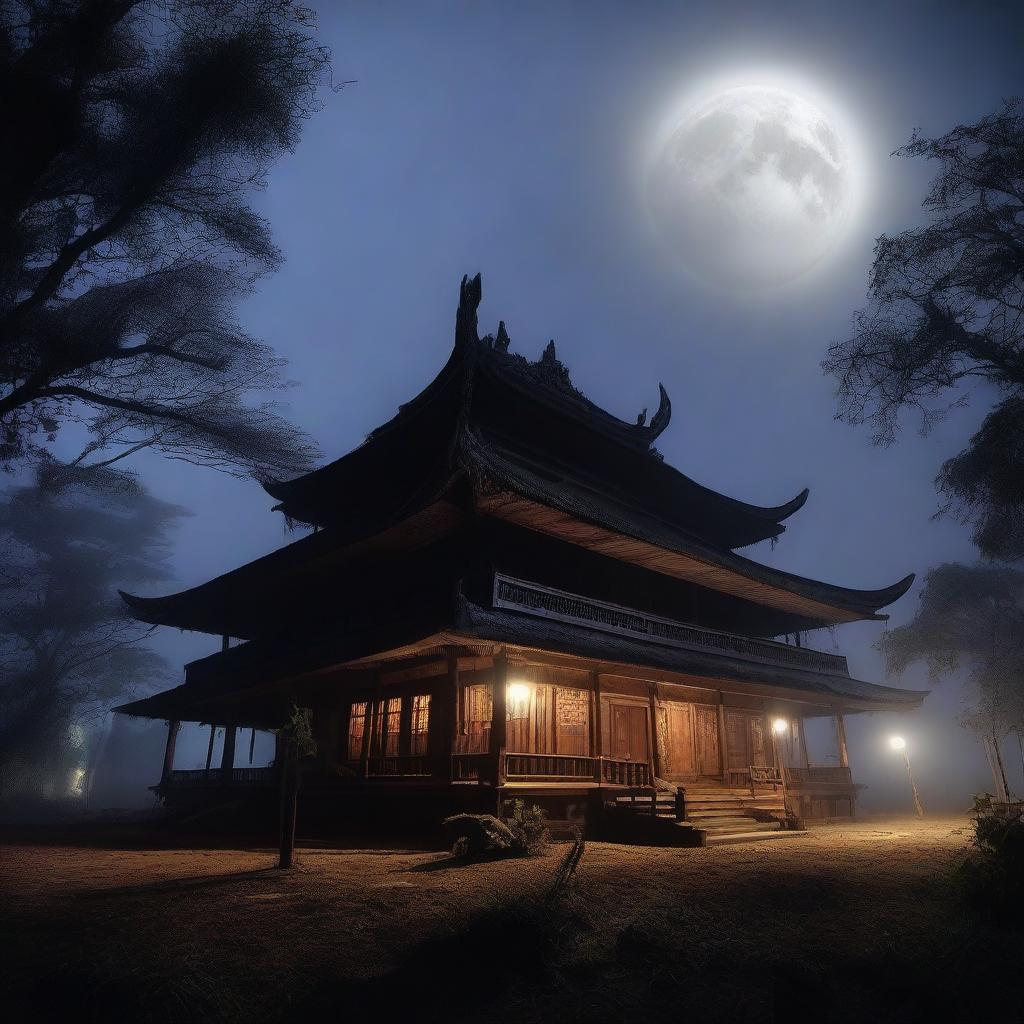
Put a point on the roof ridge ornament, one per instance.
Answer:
(502, 341)
(659, 421)
(470, 293)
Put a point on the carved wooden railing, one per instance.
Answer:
(625, 773)
(214, 777)
(471, 767)
(402, 766)
(549, 603)
(834, 775)
(549, 766)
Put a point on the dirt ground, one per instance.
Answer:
(853, 922)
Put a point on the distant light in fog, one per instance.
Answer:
(897, 742)
(779, 726)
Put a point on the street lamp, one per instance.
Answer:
(900, 744)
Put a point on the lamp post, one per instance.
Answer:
(900, 744)
(779, 728)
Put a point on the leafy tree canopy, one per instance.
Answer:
(947, 307)
(971, 616)
(134, 133)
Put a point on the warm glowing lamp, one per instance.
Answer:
(900, 744)
(518, 692)
(779, 726)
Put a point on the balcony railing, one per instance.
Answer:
(816, 774)
(399, 766)
(548, 603)
(625, 773)
(470, 767)
(554, 767)
(214, 777)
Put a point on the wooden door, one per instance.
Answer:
(682, 752)
(705, 728)
(746, 737)
(628, 732)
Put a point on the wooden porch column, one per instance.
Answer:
(499, 721)
(227, 759)
(652, 700)
(450, 721)
(723, 754)
(844, 756)
(173, 728)
(209, 747)
(597, 744)
(373, 711)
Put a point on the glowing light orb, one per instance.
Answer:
(518, 692)
(897, 742)
(752, 187)
(779, 726)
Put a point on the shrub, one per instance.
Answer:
(529, 827)
(992, 876)
(476, 836)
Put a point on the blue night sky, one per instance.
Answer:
(511, 139)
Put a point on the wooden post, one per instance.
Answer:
(173, 728)
(499, 721)
(723, 754)
(227, 758)
(450, 729)
(844, 756)
(252, 743)
(289, 801)
(209, 748)
(372, 721)
(652, 700)
(225, 643)
(598, 746)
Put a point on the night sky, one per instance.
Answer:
(511, 139)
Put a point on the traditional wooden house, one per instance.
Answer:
(507, 592)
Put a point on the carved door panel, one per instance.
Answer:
(628, 732)
(760, 747)
(737, 740)
(682, 752)
(705, 727)
(746, 735)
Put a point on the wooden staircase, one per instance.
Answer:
(724, 814)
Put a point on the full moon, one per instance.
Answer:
(752, 188)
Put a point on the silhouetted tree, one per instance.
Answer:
(947, 307)
(133, 133)
(68, 648)
(972, 615)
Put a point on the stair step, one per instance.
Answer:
(751, 837)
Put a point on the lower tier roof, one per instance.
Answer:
(249, 684)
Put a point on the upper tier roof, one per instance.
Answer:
(533, 409)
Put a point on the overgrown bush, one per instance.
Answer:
(529, 827)
(992, 876)
(480, 836)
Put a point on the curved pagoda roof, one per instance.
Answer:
(531, 410)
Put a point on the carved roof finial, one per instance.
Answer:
(470, 293)
(642, 418)
(549, 355)
(502, 342)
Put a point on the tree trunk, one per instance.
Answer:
(995, 764)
